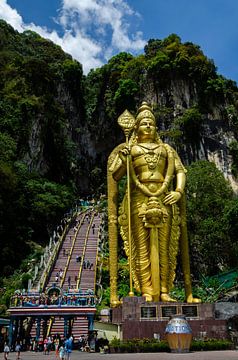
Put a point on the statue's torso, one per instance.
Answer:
(149, 161)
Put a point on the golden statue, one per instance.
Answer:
(152, 216)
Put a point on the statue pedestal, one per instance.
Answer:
(141, 319)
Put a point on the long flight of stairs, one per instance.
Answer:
(81, 240)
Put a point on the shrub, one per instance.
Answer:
(211, 344)
(138, 345)
(153, 345)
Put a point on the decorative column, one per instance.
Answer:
(66, 326)
(45, 327)
(14, 331)
(21, 329)
(10, 332)
(38, 321)
(70, 326)
(90, 322)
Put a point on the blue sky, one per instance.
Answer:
(94, 30)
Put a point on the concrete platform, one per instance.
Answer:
(201, 355)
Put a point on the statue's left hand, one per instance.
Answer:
(172, 198)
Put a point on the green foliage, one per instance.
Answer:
(24, 280)
(211, 345)
(215, 87)
(152, 47)
(208, 290)
(190, 125)
(138, 345)
(233, 148)
(178, 293)
(30, 203)
(97, 181)
(71, 72)
(123, 281)
(19, 279)
(117, 62)
(208, 193)
(46, 199)
(231, 227)
(125, 94)
(171, 58)
(153, 345)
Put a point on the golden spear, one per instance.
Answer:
(127, 122)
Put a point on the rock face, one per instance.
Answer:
(226, 310)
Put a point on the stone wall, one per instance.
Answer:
(201, 329)
(140, 319)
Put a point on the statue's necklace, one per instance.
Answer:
(151, 157)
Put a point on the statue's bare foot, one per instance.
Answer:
(191, 299)
(148, 297)
(166, 298)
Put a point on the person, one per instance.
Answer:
(68, 347)
(6, 351)
(156, 208)
(61, 273)
(56, 277)
(61, 352)
(93, 227)
(45, 345)
(80, 343)
(56, 344)
(18, 351)
(48, 345)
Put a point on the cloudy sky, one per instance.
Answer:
(94, 30)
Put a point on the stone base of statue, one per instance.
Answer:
(140, 319)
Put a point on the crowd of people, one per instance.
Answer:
(82, 298)
(62, 347)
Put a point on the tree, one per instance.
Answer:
(208, 194)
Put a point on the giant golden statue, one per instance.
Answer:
(152, 216)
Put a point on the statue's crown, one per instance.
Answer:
(144, 111)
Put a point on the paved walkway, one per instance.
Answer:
(202, 355)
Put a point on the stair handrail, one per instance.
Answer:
(50, 326)
(96, 262)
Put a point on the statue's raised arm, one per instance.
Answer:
(152, 216)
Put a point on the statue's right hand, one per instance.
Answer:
(124, 153)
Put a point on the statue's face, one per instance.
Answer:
(146, 129)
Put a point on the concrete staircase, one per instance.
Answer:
(81, 240)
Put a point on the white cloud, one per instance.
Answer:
(93, 29)
(102, 15)
(11, 16)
